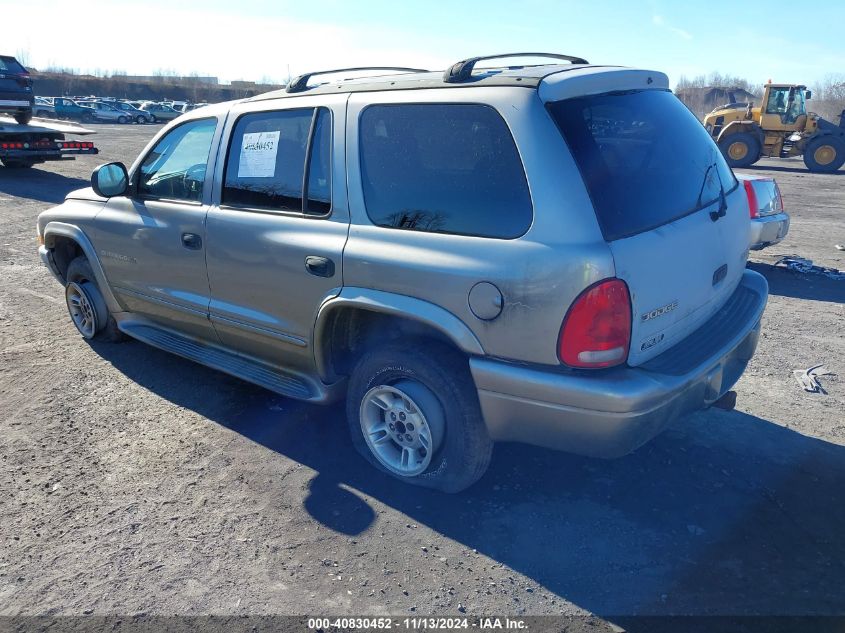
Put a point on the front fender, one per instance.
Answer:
(52, 230)
(741, 126)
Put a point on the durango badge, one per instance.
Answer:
(658, 312)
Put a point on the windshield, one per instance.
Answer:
(644, 157)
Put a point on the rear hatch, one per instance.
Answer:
(668, 205)
(14, 78)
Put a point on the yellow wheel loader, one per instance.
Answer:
(779, 128)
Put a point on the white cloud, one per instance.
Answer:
(660, 21)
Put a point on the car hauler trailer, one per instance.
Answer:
(41, 140)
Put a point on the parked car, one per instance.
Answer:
(134, 114)
(160, 112)
(107, 112)
(525, 253)
(16, 95)
(69, 109)
(43, 107)
(769, 222)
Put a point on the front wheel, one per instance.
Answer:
(122, 120)
(825, 154)
(86, 305)
(413, 413)
(741, 149)
(140, 119)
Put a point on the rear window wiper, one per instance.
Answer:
(723, 203)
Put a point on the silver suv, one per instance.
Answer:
(552, 254)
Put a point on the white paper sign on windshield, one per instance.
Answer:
(258, 155)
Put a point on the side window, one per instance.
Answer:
(777, 101)
(266, 162)
(443, 168)
(175, 168)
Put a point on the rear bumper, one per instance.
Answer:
(610, 413)
(16, 100)
(768, 230)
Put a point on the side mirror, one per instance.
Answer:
(808, 94)
(110, 180)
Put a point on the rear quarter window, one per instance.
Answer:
(11, 65)
(443, 168)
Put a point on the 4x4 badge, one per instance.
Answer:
(657, 312)
(649, 343)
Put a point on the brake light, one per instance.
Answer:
(753, 208)
(597, 329)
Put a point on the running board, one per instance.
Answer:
(272, 378)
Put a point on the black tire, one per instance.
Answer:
(79, 271)
(830, 150)
(465, 447)
(18, 164)
(740, 149)
(87, 118)
(140, 119)
(23, 117)
(122, 120)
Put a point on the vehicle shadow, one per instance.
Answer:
(726, 513)
(791, 170)
(38, 183)
(787, 283)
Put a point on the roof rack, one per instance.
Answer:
(462, 71)
(300, 84)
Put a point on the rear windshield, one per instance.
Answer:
(11, 65)
(646, 160)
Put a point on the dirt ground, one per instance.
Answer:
(132, 481)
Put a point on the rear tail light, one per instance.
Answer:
(597, 329)
(753, 208)
(779, 198)
(76, 145)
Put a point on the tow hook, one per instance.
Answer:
(726, 402)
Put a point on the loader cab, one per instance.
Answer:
(784, 107)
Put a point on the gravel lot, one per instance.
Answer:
(132, 481)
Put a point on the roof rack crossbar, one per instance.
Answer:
(462, 71)
(299, 84)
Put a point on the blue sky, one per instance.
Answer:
(255, 39)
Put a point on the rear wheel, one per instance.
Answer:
(741, 149)
(413, 413)
(87, 118)
(23, 117)
(140, 119)
(825, 154)
(18, 164)
(86, 305)
(122, 120)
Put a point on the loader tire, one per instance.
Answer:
(741, 149)
(825, 154)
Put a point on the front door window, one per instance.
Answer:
(175, 169)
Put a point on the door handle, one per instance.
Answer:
(191, 241)
(319, 266)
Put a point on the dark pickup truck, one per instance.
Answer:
(16, 95)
